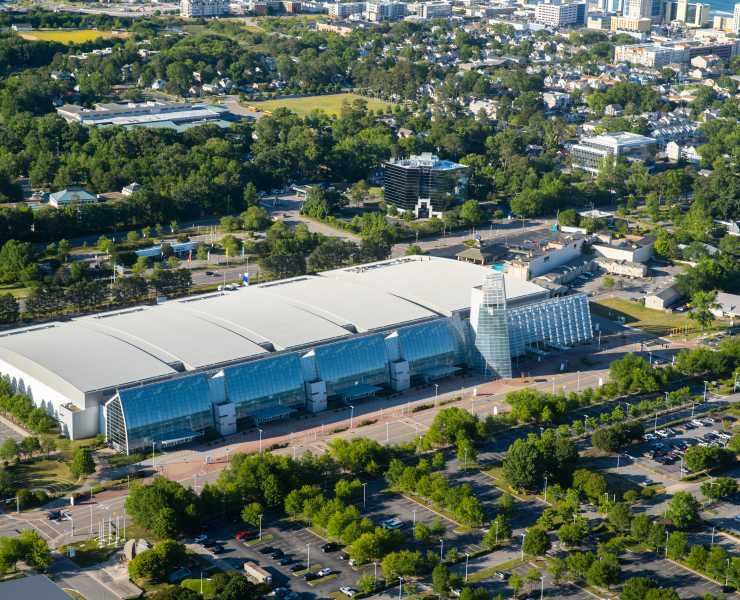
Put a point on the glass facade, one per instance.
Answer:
(492, 332)
(358, 360)
(136, 417)
(558, 322)
(265, 383)
(429, 345)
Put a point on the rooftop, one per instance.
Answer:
(118, 348)
(31, 588)
(427, 160)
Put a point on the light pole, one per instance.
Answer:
(436, 393)
(414, 513)
(375, 572)
(351, 416)
(666, 545)
(578, 385)
(497, 523)
(364, 496)
(308, 556)
(542, 587)
(441, 548)
(705, 390)
(712, 536)
(153, 460)
(387, 432)
(258, 429)
(545, 488)
(523, 536)
(618, 455)
(400, 588)
(467, 557)
(260, 517)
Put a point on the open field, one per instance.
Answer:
(330, 104)
(657, 322)
(70, 36)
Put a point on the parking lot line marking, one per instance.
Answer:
(439, 514)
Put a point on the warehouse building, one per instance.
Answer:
(165, 374)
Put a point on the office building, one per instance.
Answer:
(561, 14)
(165, 374)
(203, 8)
(173, 115)
(589, 152)
(424, 184)
(632, 24)
(650, 55)
(736, 16)
(434, 10)
(385, 11)
(71, 196)
(692, 14)
(343, 10)
(639, 9)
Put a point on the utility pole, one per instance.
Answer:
(364, 496)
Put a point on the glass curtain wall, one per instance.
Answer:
(429, 345)
(262, 384)
(157, 411)
(492, 335)
(355, 361)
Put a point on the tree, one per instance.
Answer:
(636, 588)
(536, 542)
(470, 212)
(16, 262)
(701, 303)
(251, 513)
(34, 550)
(163, 505)
(677, 545)
(603, 572)
(573, 533)
(523, 465)
(700, 458)
(82, 463)
(721, 487)
(9, 309)
(11, 551)
(499, 530)
(683, 510)
(441, 579)
(619, 516)
(255, 218)
(154, 564)
(9, 449)
(332, 252)
(640, 527)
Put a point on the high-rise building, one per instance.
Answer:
(424, 184)
(203, 8)
(693, 14)
(736, 14)
(561, 14)
(491, 326)
(639, 9)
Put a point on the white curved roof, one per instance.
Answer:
(119, 348)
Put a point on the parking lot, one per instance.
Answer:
(667, 574)
(663, 449)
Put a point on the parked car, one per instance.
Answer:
(218, 549)
(285, 561)
(267, 550)
(310, 576)
(330, 547)
(342, 556)
(393, 523)
(348, 591)
(324, 572)
(297, 567)
(53, 515)
(277, 554)
(245, 534)
(199, 539)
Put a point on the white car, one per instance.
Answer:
(200, 538)
(348, 591)
(324, 572)
(393, 523)
(697, 422)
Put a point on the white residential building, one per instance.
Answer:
(203, 8)
(561, 14)
(385, 11)
(589, 152)
(342, 10)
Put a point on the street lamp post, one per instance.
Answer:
(712, 536)
(364, 496)
(467, 557)
(542, 587)
(308, 556)
(441, 547)
(260, 517)
(351, 416)
(258, 429)
(414, 513)
(387, 432)
(545, 488)
(436, 393)
(666, 545)
(400, 588)
(523, 536)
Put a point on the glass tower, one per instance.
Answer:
(492, 333)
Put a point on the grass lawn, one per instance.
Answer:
(52, 475)
(657, 322)
(488, 572)
(330, 104)
(18, 291)
(74, 36)
(267, 537)
(209, 588)
(88, 553)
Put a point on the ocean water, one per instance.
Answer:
(722, 5)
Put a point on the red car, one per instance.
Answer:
(245, 535)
